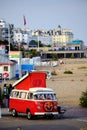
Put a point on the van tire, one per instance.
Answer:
(59, 109)
(14, 113)
(29, 115)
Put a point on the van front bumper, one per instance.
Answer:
(45, 113)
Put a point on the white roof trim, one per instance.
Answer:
(40, 89)
(20, 79)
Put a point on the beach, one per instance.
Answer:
(68, 87)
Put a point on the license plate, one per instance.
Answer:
(48, 113)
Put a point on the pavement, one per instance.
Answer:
(4, 112)
(75, 118)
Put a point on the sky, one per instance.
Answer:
(47, 14)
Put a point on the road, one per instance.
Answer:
(73, 119)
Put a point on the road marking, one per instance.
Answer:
(82, 120)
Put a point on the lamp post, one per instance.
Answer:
(38, 41)
(9, 48)
(20, 56)
(20, 70)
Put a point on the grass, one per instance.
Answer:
(53, 72)
(68, 72)
(84, 128)
(82, 67)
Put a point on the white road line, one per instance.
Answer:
(82, 120)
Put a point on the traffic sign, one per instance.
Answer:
(5, 74)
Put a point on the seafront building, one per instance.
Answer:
(7, 67)
(43, 36)
(76, 45)
(22, 36)
(57, 37)
(6, 31)
(60, 37)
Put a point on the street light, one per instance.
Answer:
(38, 41)
(9, 48)
(20, 56)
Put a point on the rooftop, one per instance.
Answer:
(76, 42)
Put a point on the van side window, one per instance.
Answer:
(23, 95)
(15, 94)
(30, 96)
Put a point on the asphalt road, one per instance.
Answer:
(73, 119)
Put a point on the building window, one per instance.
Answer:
(5, 68)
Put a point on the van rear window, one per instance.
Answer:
(15, 94)
(30, 96)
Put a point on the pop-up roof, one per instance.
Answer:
(31, 80)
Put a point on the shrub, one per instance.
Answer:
(53, 72)
(68, 72)
(83, 99)
(83, 67)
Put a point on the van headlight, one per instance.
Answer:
(55, 107)
(38, 107)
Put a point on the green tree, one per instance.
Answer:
(83, 99)
(4, 42)
(54, 56)
(34, 53)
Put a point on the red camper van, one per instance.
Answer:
(31, 96)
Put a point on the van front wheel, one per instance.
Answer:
(14, 113)
(29, 115)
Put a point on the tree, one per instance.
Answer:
(34, 53)
(4, 42)
(33, 43)
(83, 99)
(54, 56)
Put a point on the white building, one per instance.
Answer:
(2, 49)
(22, 36)
(41, 35)
(18, 35)
(6, 31)
(60, 36)
(7, 67)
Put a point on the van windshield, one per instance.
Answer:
(44, 96)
